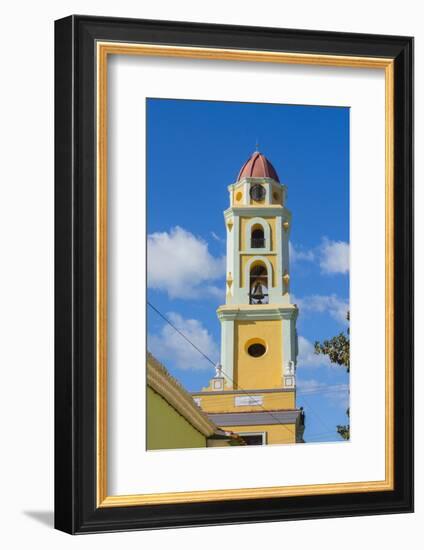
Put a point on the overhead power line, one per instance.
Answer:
(180, 333)
(210, 361)
(170, 323)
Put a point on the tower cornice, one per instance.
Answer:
(255, 312)
(261, 211)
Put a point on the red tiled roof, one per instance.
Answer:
(258, 166)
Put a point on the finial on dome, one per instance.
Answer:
(257, 145)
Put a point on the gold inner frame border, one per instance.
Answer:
(103, 50)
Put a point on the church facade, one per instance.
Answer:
(254, 390)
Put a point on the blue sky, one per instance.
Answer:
(195, 150)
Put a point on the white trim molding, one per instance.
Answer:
(258, 312)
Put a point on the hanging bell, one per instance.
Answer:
(258, 294)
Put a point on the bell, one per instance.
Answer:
(257, 293)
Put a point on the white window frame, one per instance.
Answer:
(263, 434)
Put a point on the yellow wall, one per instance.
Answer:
(226, 402)
(276, 433)
(166, 428)
(246, 257)
(258, 372)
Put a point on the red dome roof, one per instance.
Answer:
(258, 166)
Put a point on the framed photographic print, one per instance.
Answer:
(233, 274)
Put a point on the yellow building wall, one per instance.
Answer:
(244, 258)
(258, 372)
(166, 428)
(275, 433)
(226, 402)
(245, 244)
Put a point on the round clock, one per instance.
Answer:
(257, 192)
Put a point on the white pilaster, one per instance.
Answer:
(236, 259)
(246, 196)
(289, 351)
(278, 238)
(227, 350)
(230, 255)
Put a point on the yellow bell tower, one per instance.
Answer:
(254, 390)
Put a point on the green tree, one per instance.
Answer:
(337, 350)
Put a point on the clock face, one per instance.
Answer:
(257, 192)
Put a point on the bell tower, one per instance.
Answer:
(255, 381)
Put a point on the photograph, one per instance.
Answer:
(247, 274)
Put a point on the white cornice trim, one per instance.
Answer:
(257, 312)
(256, 418)
(160, 381)
(259, 211)
(243, 392)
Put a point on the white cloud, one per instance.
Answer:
(169, 345)
(307, 356)
(297, 254)
(334, 256)
(180, 264)
(333, 305)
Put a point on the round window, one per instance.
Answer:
(239, 196)
(257, 192)
(256, 350)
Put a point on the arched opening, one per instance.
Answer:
(257, 237)
(258, 293)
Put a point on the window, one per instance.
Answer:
(258, 239)
(253, 439)
(257, 192)
(256, 350)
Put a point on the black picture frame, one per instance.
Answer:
(76, 510)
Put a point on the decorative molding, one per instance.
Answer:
(242, 392)
(256, 418)
(260, 211)
(290, 381)
(248, 400)
(217, 384)
(257, 312)
(160, 381)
